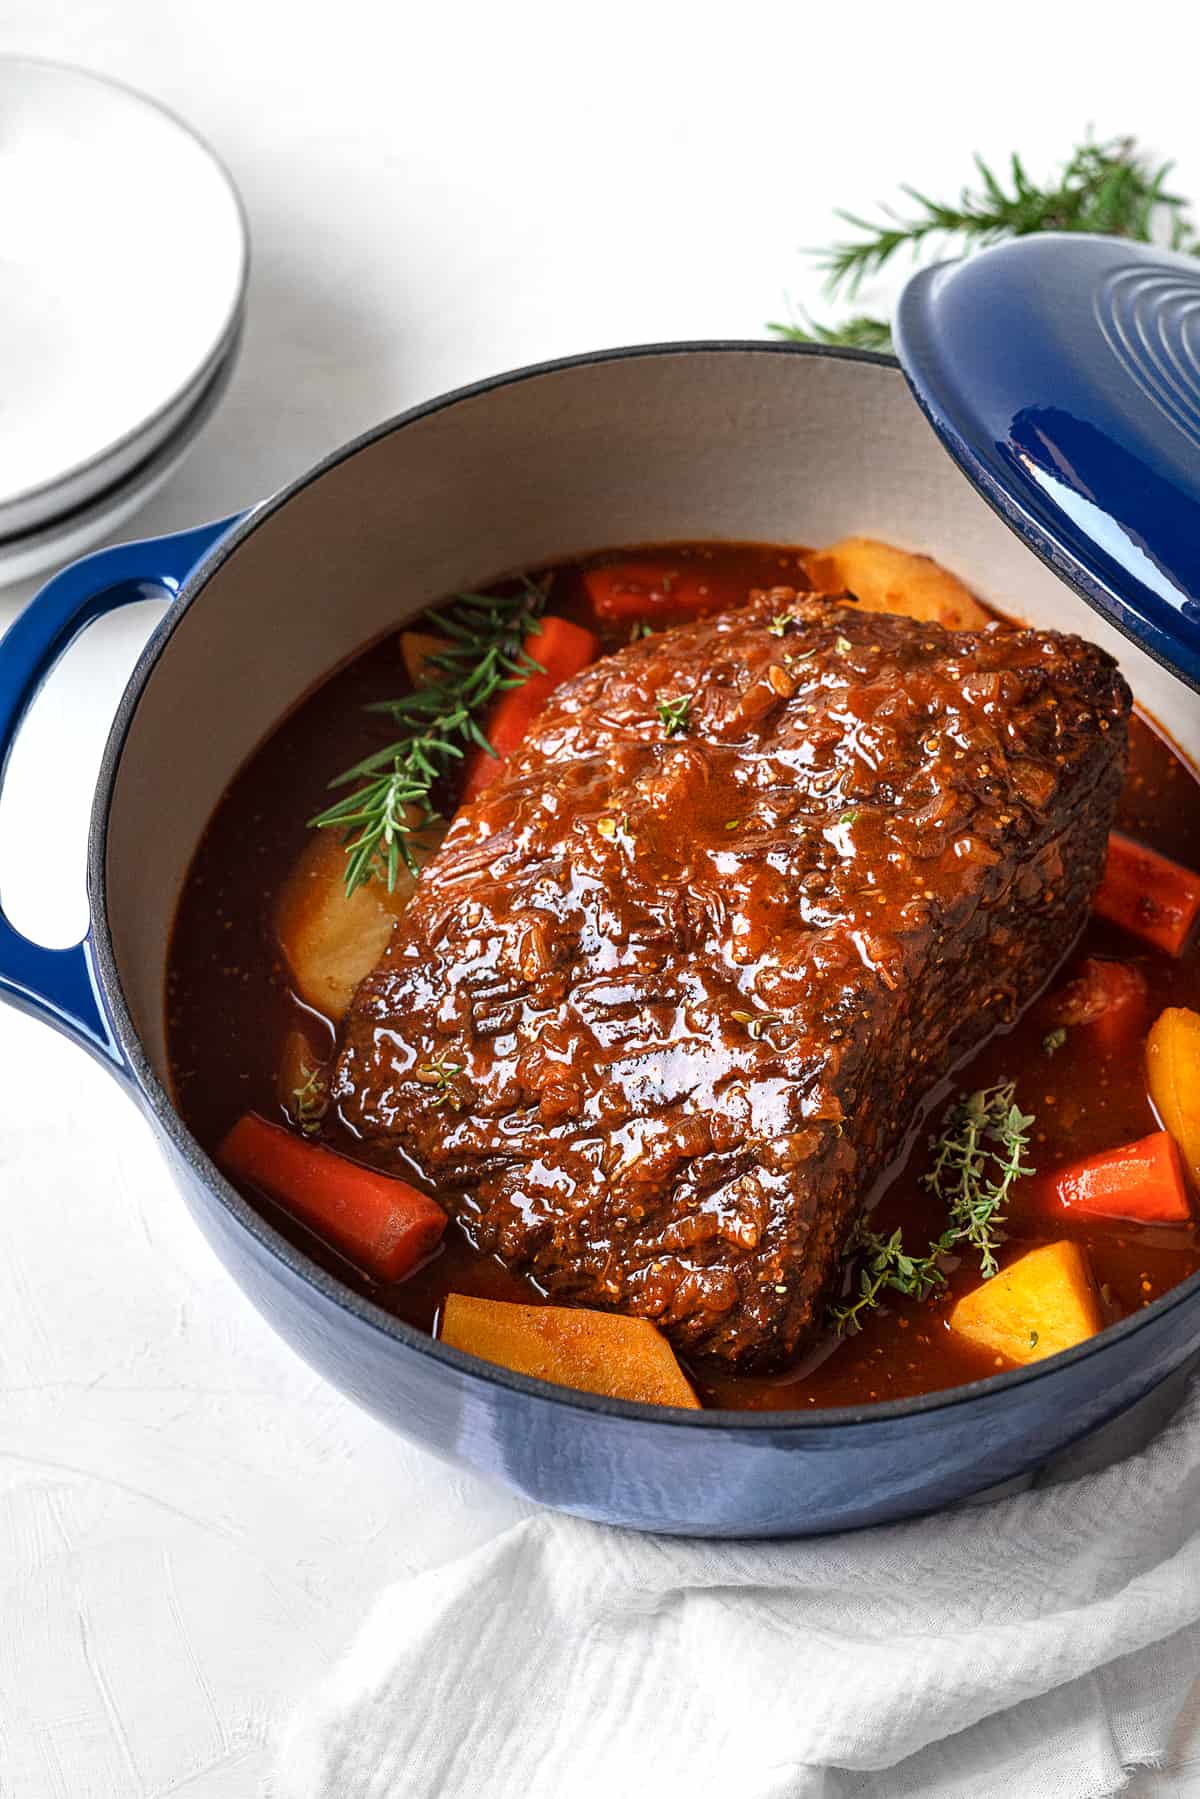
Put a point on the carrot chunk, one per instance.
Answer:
(1148, 894)
(1173, 1076)
(384, 1225)
(600, 1352)
(1109, 1000)
(659, 592)
(1142, 1181)
(1040, 1304)
(562, 649)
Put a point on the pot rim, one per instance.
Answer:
(328, 1286)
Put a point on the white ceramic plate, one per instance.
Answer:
(64, 539)
(122, 276)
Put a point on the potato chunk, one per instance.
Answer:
(332, 941)
(601, 1352)
(1173, 1075)
(885, 579)
(1040, 1304)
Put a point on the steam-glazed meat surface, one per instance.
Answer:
(674, 991)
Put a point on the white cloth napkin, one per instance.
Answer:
(1035, 1647)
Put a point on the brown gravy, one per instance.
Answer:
(230, 1006)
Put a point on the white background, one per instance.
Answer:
(191, 1523)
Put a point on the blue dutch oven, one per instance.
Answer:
(741, 441)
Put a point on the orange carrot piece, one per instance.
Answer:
(1142, 1181)
(649, 592)
(383, 1224)
(562, 649)
(1110, 1000)
(1148, 894)
(600, 1352)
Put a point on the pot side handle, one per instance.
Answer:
(60, 985)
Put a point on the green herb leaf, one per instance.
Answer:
(675, 715)
(441, 1074)
(1053, 1041)
(310, 1100)
(883, 1263)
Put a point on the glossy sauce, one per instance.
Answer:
(230, 1007)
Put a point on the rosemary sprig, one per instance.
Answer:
(1113, 187)
(977, 1157)
(481, 655)
(863, 331)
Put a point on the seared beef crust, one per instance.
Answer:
(665, 1006)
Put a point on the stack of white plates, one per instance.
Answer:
(122, 285)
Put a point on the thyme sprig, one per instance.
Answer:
(976, 1159)
(391, 803)
(310, 1100)
(881, 1262)
(1113, 187)
(442, 1074)
(978, 1156)
(675, 715)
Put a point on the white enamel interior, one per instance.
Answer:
(735, 444)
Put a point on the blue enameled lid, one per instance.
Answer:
(1062, 372)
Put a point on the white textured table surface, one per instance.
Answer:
(190, 1522)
